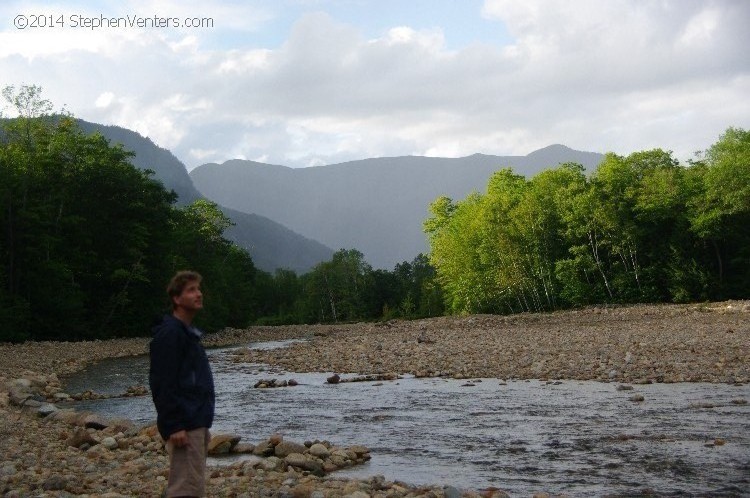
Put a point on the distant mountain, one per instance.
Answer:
(270, 244)
(166, 167)
(374, 205)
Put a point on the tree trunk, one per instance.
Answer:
(718, 260)
(595, 251)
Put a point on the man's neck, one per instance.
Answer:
(184, 316)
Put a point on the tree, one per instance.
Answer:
(719, 211)
(87, 240)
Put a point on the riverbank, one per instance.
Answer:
(635, 344)
(707, 343)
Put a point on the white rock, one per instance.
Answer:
(46, 409)
(319, 451)
(110, 443)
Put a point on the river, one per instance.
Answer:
(572, 437)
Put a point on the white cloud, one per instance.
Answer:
(105, 99)
(617, 75)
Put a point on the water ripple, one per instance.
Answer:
(577, 438)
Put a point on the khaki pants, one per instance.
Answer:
(187, 465)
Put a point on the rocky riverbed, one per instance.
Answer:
(638, 344)
(79, 454)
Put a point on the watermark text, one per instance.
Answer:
(81, 21)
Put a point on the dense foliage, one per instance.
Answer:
(641, 228)
(88, 242)
(347, 288)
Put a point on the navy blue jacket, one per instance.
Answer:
(180, 378)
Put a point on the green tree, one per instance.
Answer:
(338, 287)
(82, 227)
(87, 241)
(719, 212)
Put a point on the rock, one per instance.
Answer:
(22, 384)
(288, 447)
(292, 383)
(304, 490)
(68, 416)
(221, 444)
(360, 450)
(46, 409)
(275, 439)
(80, 438)
(54, 483)
(270, 463)
(495, 493)
(319, 451)
(637, 398)
(94, 421)
(243, 448)
(359, 494)
(334, 379)
(340, 458)
(110, 443)
(451, 492)
(302, 462)
(150, 431)
(623, 387)
(97, 451)
(7, 469)
(137, 390)
(21, 396)
(264, 448)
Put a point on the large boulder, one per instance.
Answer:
(264, 448)
(221, 444)
(319, 450)
(270, 464)
(93, 421)
(81, 438)
(304, 462)
(275, 439)
(285, 448)
(46, 409)
(67, 415)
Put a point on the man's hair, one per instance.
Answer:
(178, 283)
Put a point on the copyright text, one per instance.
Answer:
(78, 21)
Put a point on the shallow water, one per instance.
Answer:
(577, 438)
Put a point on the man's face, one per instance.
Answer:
(191, 298)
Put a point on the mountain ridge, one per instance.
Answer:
(376, 205)
(270, 244)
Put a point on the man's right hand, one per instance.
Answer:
(179, 438)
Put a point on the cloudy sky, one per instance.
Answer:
(311, 82)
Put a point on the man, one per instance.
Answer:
(182, 387)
